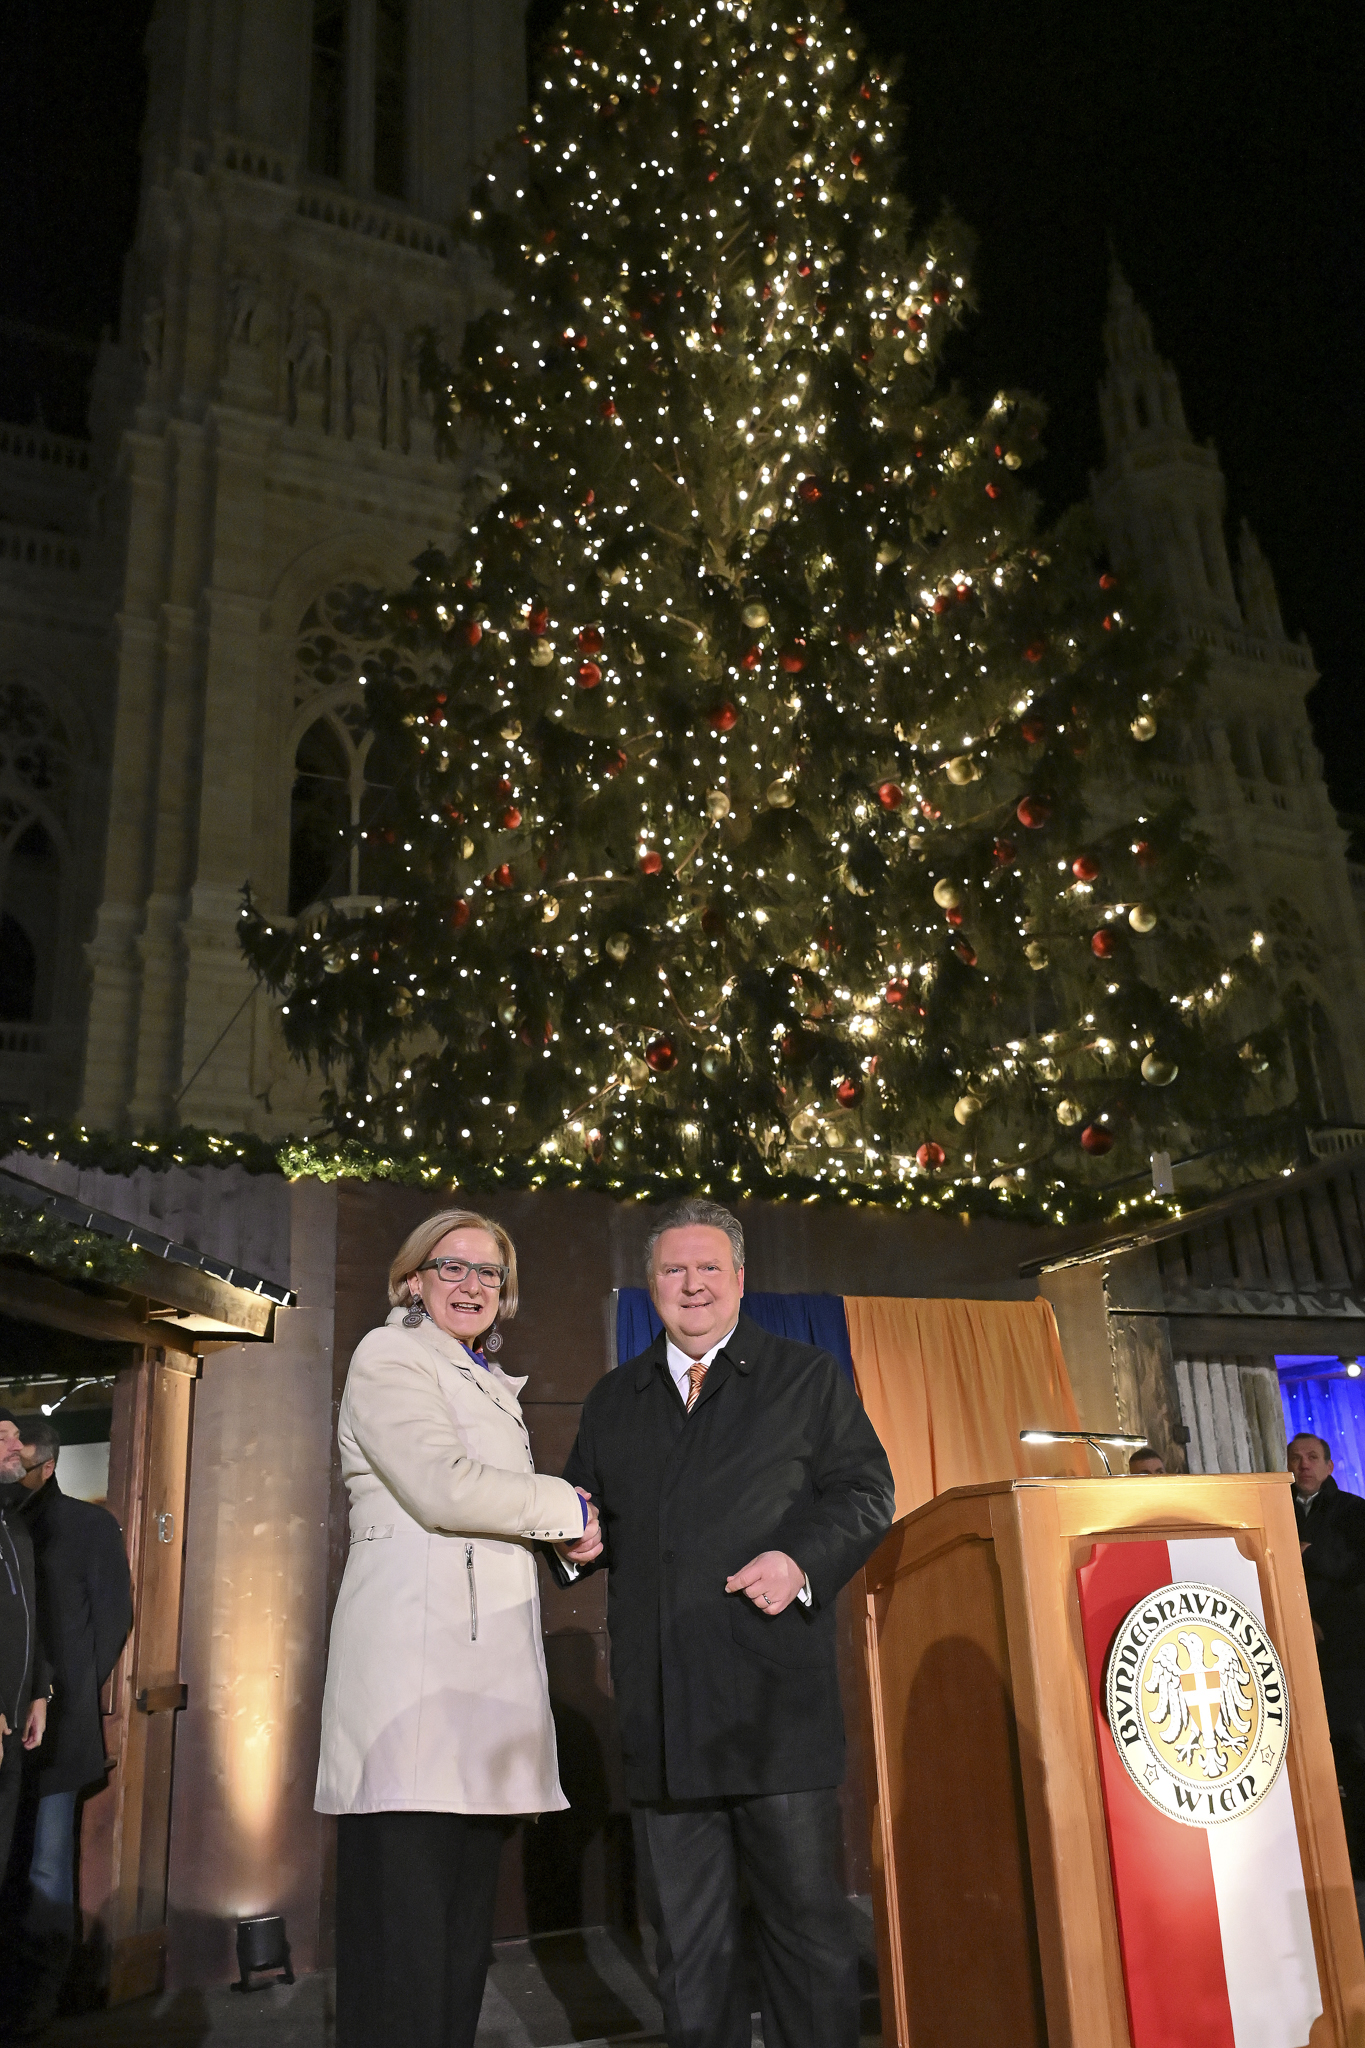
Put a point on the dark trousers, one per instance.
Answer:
(1348, 1754)
(414, 1923)
(11, 1785)
(693, 1857)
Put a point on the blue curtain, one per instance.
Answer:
(1331, 1408)
(810, 1318)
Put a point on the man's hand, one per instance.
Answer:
(35, 1724)
(4, 1731)
(772, 1581)
(589, 1544)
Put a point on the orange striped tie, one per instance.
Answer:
(695, 1375)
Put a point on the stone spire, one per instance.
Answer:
(1256, 583)
(1160, 496)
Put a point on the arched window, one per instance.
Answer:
(390, 98)
(35, 776)
(340, 841)
(1318, 1071)
(327, 90)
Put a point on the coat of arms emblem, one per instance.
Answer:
(1197, 1704)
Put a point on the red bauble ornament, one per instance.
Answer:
(1104, 943)
(589, 675)
(510, 818)
(1033, 730)
(1035, 650)
(661, 1054)
(1095, 1139)
(929, 811)
(590, 641)
(809, 489)
(752, 658)
(504, 876)
(849, 1092)
(890, 795)
(793, 660)
(1085, 867)
(896, 994)
(617, 762)
(931, 1155)
(723, 719)
(537, 623)
(459, 916)
(953, 916)
(941, 604)
(1146, 855)
(1033, 812)
(965, 953)
(1108, 581)
(650, 861)
(1003, 853)
(608, 408)
(473, 632)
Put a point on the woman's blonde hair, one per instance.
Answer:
(419, 1244)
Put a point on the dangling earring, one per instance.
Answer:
(492, 1343)
(416, 1314)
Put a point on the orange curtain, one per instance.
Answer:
(950, 1384)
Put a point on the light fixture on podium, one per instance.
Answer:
(1095, 1439)
(1351, 1367)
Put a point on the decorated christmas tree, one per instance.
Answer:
(772, 801)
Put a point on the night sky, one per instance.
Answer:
(1216, 145)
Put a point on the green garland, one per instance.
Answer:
(61, 1248)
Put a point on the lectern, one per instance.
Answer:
(1104, 1809)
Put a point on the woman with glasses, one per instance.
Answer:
(436, 1728)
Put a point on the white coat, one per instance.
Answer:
(436, 1697)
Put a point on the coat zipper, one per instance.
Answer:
(473, 1594)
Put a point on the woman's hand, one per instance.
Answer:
(36, 1723)
(589, 1545)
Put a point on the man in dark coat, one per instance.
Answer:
(25, 1675)
(1332, 1535)
(740, 1485)
(85, 1611)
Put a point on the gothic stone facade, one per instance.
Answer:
(179, 694)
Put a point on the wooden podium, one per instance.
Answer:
(1026, 1890)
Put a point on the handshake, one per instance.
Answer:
(589, 1545)
(772, 1580)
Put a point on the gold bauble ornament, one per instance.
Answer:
(1035, 952)
(966, 1107)
(962, 769)
(755, 617)
(1158, 1070)
(401, 1006)
(717, 805)
(1069, 1112)
(549, 910)
(542, 653)
(634, 1071)
(1143, 726)
(466, 848)
(947, 895)
(1142, 918)
(511, 730)
(618, 946)
(715, 1061)
(888, 553)
(780, 795)
(507, 1010)
(333, 959)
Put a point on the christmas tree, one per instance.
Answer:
(772, 798)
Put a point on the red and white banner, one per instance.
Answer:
(1213, 1921)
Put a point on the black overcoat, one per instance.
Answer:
(1333, 1527)
(85, 1610)
(716, 1698)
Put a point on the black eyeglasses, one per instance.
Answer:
(455, 1271)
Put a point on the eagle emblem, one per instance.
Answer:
(1196, 1700)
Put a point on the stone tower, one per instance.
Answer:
(1246, 755)
(261, 444)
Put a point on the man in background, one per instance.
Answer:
(1147, 1464)
(740, 1485)
(1332, 1540)
(85, 1611)
(25, 1677)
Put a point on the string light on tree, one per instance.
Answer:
(771, 800)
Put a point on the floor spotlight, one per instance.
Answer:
(261, 1945)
